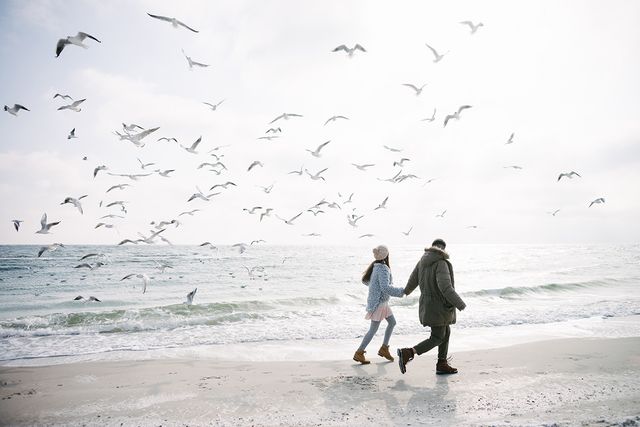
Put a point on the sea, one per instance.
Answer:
(264, 301)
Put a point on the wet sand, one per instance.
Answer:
(563, 382)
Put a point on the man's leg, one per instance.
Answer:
(443, 349)
(438, 334)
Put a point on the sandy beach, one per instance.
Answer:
(559, 382)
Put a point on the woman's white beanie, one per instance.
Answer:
(380, 252)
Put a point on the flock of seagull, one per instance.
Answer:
(138, 136)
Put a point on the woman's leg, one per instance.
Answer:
(369, 335)
(391, 323)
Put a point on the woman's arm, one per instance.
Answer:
(385, 283)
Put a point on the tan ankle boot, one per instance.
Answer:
(359, 357)
(384, 352)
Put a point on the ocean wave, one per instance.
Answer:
(166, 317)
(550, 288)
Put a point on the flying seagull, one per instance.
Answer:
(437, 56)
(513, 167)
(317, 174)
(190, 296)
(432, 118)
(75, 202)
(44, 227)
(173, 21)
(193, 147)
(441, 215)
(143, 276)
(49, 248)
(334, 118)
(285, 116)
(72, 134)
(554, 212)
(59, 95)
(144, 165)
(569, 175)
(91, 298)
(455, 115)
(316, 153)
(394, 150)
(473, 27)
(417, 89)
(597, 201)
(15, 109)
(74, 106)
(193, 63)
(510, 140)
(289, 221)
(74, 40)
(363, 167)
(349, 51)
(254, 164)
(213, 106)
(16, 223)
(131, 128)
(382, 205)
(401, 162)
(406, 233)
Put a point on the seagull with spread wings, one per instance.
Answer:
(44, 226)
(74, 40)
(418, 90)
(334, 118)
(316, 152)
(349, 51)
(174, 22)
(213, 107)
(15, 109)
(285, 116)
(455, 115)
(437, 56)
(472, 27)
(193, 63)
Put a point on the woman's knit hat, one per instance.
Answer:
(380, 252)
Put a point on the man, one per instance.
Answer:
(438, 303)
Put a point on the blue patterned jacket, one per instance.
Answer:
(380, 288)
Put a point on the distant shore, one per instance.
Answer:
(568, 382)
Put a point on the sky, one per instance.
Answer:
(562, 76)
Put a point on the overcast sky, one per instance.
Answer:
(562, 76)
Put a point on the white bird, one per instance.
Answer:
(164, 173)
(253, 210)
(131, 176)
(190, 296)
(285, 116)
(316, 152)
(300, 172)
(213, 107)
(225, 185)
(59, 95)
(363, 167)
(201, 195)
(16, 223)
(193, 147)
(516, 167)
(569, 175)
(455, 115)
(254, 164)
(553, 213)
(312, 235)
(144, 165)
(428, 181)
(143, 276)
(74, 106)
(89, 266)
(267, 212)
(242, 247)
(131, 128)
(437, 56)
(173, 22)
(274, 130)
(137, 138)
(268, 189)
(75, 202)
(473, 27)
(441, 215)
(417, 89)
(289, 221)
(334, 118)
(74, 40)
(208, 244)
(316, 176)
(510, 140)
(432, 118)
(103, 224)
(44, 227)
(111, 216)
(164, 138)
(90, 299)
(394, 150)
(382, 205)
(365, 235)
(190, 213)
(193, 63)
(349, 51)
(353, 219)
(72, 134)
(597, 201)
(49, 248)
(406, 233)
(401, 162)
(15, 109)
(268, 137)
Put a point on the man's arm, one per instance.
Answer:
(443, 279)
(412, 283)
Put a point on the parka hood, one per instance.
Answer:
(434, 254)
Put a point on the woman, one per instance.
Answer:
(378, 278)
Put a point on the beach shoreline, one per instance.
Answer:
(577, 381)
